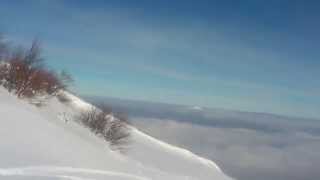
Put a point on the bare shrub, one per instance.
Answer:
(26, 76)
(3, 72)
(103, 123)
(65, 79)
(117, 133)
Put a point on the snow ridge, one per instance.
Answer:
(178, 150)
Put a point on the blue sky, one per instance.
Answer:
(245, 55)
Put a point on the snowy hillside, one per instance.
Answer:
(38, 143)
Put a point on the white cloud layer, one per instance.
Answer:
(246, 153)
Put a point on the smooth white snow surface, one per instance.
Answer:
(46, 143)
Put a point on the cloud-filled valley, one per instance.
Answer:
(247, 146)
(244, 153)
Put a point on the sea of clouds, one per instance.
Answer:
(246, 145)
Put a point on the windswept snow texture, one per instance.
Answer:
(45, 143)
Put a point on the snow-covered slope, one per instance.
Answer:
(38, 143)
